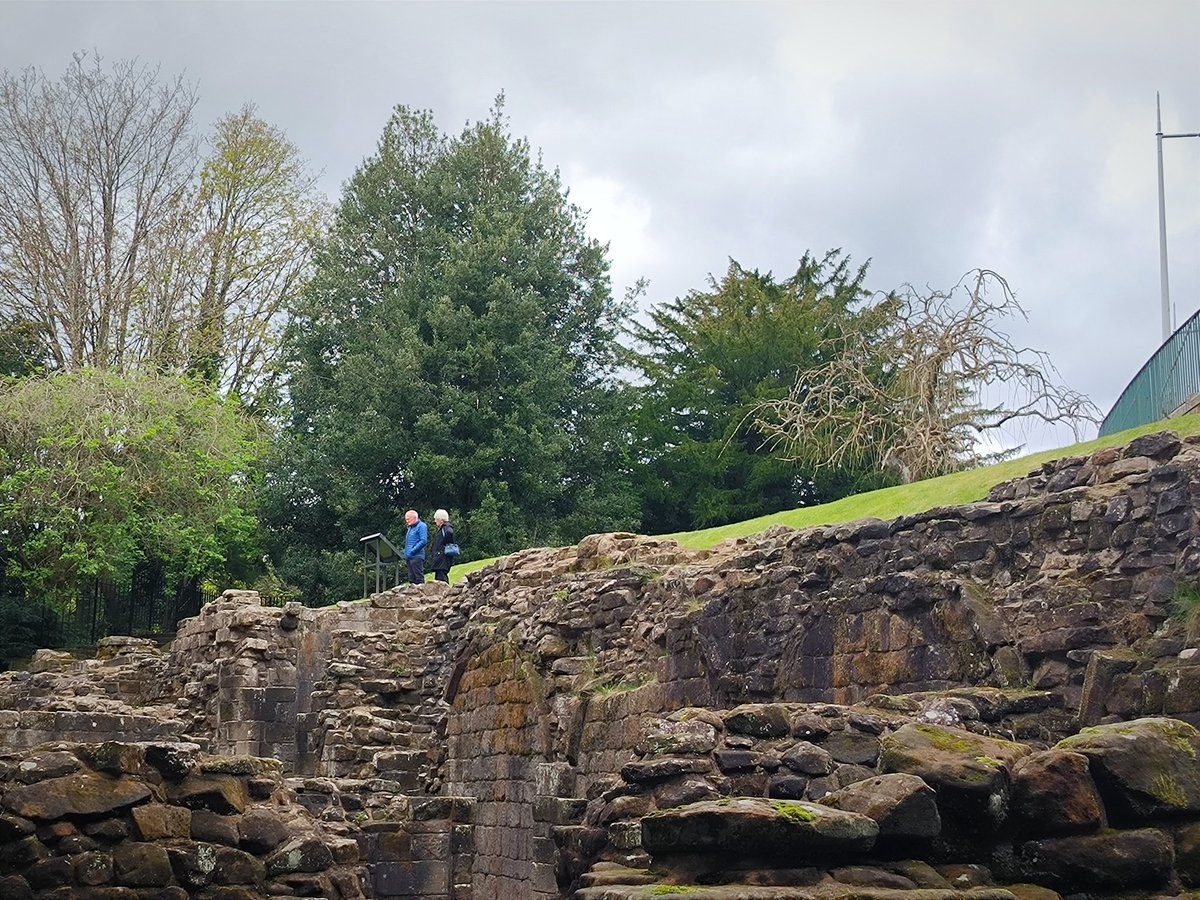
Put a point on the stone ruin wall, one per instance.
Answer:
(1059, 582)
(524, 688)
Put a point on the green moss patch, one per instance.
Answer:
(793, 812)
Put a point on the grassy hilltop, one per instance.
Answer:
(905, 499)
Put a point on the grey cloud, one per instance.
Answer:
(931, 135)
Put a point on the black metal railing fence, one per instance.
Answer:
(144, 606)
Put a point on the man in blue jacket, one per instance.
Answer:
(414, 547)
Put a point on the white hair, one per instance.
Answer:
(441, 516)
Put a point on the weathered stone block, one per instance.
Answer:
(411, 880)
(260, 831)
(1112, 861)
(853, 747)
(1181, 690)
(237, 867)
(1187, 854)
(969, 772)
(1102, 670)
(214, 828)
(156, 821)
(141, 865)
(809, 759)
(670, 738)
(1145, 768)
(749, 826)
(52, 764)
(49, 873)
(759, 720)
(222, 794)
(904, 806)
(663, 768)
(1054, 794)
(91, 869)
(682, 791)
(300, 854)
(84, 794)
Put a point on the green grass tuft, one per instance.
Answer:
(609, 688)
(1185, 608)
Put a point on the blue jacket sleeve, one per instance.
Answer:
(422, 538)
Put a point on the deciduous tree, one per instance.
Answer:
(95, 173)
(259, 214)
(100, 473)
(928, 392)
(123, 247)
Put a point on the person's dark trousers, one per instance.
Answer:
(416, 570)
(441, 575)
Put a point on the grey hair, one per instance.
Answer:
(441, 516)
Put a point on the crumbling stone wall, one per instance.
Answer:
(61, 698)
(162, 820)
(353, 690)
(159, 820)
(870, 802)
(524, 687)
(1060, 581)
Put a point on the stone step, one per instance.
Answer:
(605, 874)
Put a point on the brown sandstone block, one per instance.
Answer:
(155, 821)
(1054, 794)
(141, 865)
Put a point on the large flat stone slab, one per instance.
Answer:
(84, 794)
(752, 826)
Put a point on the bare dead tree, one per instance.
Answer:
(95, 174)
(919, 396)
(121, 248)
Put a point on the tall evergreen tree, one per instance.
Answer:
(708, 359)
(455, 348)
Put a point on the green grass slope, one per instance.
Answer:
(905, 499)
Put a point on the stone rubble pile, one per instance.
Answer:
(836, 802)
(161, 820)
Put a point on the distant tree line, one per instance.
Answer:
(206, 369)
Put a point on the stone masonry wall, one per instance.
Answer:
(1061, 582)
(523, 686)
(164, 821)
(507, 743)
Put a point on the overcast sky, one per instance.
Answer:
(930, 137)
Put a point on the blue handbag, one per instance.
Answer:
(451, 550)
